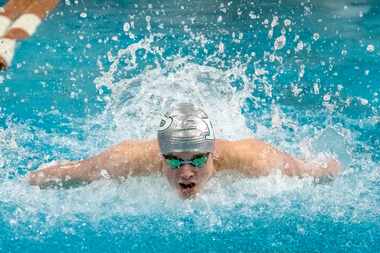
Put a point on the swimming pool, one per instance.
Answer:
(301, 75)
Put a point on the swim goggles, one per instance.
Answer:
(198, 161)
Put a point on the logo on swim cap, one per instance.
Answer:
(210, 135)
(185, 128)
(165, 122)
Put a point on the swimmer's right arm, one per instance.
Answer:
(120, 161)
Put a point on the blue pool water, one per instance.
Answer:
(302, 75)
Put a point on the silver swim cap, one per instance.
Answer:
(185, 128)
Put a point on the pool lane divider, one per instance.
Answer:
(7, 51)
(22, 28)
(27, 24)
(4, 24)
(7, 46)
(19, 24)
(8, 14)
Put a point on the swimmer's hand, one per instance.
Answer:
(327, 170)
(59, 174)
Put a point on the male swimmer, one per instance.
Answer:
(186, 152)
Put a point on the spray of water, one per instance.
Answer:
(132, 106)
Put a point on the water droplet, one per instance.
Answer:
(105, 174)
(296, 90)
(287, 22)
(370, 48)
(274, 21)
(363, 101)
(260, 72)
(316, 88)
(280, 42)
(221, 48)
(300, 46)
(327, 97)
(252, 15)
(126, 27)
(83, 15)
(316, 36)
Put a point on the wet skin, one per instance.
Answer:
(188, 180)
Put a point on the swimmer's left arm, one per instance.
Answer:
(257, 158)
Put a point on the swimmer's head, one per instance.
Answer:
(186, 128)
(186, 140)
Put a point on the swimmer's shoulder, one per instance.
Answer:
(230, 154)
(134, 157)
(225, 147)
(224, 154)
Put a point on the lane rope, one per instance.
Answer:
(27, 22)
(4, 24)
(7, 49)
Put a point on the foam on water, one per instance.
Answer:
(136, 103)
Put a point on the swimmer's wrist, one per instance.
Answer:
(54, 173)
(330, 168)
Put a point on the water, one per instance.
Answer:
(301, 75)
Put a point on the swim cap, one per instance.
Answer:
(185, 128)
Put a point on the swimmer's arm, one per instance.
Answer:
(257, 158)
(120, 161)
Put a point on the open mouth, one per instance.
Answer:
(187, 186)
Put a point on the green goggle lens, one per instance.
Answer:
(199, 162)
(176, 163)
(173, 163)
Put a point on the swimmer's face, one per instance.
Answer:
(187, 179)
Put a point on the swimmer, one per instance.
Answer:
(19, 20)
(186, 152)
